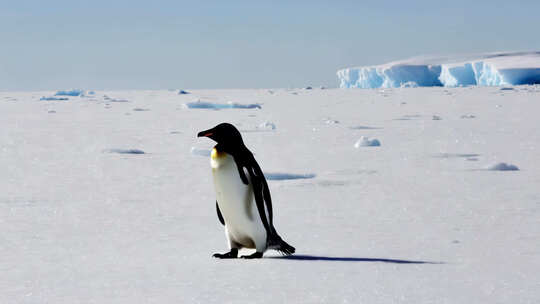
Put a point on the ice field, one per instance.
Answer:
(107, 196)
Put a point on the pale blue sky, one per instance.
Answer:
(240, 44)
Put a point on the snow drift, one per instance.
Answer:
(493, 69)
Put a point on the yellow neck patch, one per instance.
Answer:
(216, 154)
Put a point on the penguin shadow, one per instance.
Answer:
(300, 257)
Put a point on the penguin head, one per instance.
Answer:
(225, 134)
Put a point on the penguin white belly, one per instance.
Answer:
(236, 203)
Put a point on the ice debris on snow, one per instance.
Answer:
(218, 106)
(364, 128)
(287, 176)
(267, 125)
(468, 116)
(125, 151)
(456, 155)
(435, 117)
(109, 99)
(73, 92)
(200, 152)
(330, 121)
(366, 142)
(503, 167)
(52, 98)
(493, 69)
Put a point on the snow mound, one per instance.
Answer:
(287, 176)
(494, 69)
(200, 152)
(125, 151)
(53, 98)
(73, 92)
(366, 142)
(219, 106)
(503, 167)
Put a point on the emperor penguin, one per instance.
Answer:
(243, 204)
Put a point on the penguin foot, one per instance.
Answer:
(256, 255)
(233, 254)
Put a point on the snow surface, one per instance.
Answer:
(287, 176)
(125, 151)
(411, 221)
(493, 69)
(218, 106)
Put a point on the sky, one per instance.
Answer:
(51, 45)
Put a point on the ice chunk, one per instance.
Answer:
(53, 98)
(503, 167)
(182, 92)
(267, 125)
(366, 142)
(330, 121)
(494, 69)
(73, 92)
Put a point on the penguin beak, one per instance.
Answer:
(207, 133)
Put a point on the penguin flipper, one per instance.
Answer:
(241, 172)
(220, 217)
(258, 189)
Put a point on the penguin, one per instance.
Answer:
(243, 204)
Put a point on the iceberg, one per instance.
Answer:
(493, 69)
(73, 92)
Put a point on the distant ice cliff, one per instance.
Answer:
(493, 69)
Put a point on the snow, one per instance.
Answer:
(218, 106)
(503, 167)
(125, 151)
(411, 221)
(287, 176)
(200, 152)
(109, 99)
(493, 69)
